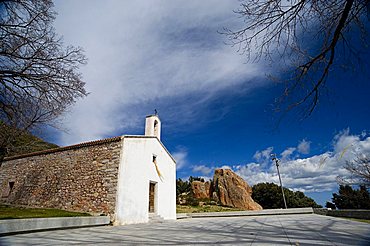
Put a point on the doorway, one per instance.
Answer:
(152, 197)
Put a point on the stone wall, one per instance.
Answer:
(79, 178)
(349, 213)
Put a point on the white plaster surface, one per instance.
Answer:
(136, 171)
(152, 129)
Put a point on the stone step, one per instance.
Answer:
(154, 218)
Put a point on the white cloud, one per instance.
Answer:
(285, 155)
(264, 156)
(181, 157)
(304, 147)
(202, 169)
(148, 54)
(316, 173)
(345, 144)
(225, 167)
(253, 173)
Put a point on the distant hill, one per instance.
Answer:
(25, 143)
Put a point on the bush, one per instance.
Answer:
(330, 205)
(269, 196)
(349, 198)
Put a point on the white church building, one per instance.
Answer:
(129, 178)
(137, 179)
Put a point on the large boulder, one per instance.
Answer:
(231, 190)
(201, 189)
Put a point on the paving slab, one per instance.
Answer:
(251, 213)
(13, 226)
(297, 229)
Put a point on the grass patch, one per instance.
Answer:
(10, 212)
(204, 209)
(358, 220)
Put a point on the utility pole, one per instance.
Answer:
(274, 158)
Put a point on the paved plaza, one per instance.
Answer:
(300, 229)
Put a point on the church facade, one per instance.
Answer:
(126, 177)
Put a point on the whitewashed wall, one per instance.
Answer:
(136, 170)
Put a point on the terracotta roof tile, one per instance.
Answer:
(76, 146)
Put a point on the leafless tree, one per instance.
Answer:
(306, 35)
(359, 169)
(39, 76)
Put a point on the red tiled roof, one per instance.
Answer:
(48, 151)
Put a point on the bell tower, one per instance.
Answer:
(153, 126)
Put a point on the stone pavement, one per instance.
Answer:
(299, 229)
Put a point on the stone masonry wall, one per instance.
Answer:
(78, 178)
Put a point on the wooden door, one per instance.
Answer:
(151, 197)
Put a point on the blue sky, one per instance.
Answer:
(216, 109)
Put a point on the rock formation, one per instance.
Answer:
(233, 191)
(228, 189)
(201, 189)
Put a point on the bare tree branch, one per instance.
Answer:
(39, 77)
(360, 169)
(289, 31)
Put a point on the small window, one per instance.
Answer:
(9, 189)
(11, 185)
(155, 127)
(156, 167)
